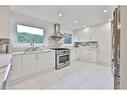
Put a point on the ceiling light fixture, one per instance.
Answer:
(75, 21)
(105, 11)
(60, 14)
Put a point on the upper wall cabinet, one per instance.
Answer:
(4, 22)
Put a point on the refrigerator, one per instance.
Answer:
(116, 47)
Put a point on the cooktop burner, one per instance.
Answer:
(59, 48)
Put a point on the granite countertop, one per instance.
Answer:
(5, 59)
(32, 52)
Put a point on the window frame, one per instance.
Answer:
(71, 39)
(16, 41)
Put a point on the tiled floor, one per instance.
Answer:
(78, 75)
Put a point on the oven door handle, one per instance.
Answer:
(63, 54)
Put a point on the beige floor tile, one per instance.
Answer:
(47, 79)
(59, 85)
(26, 84)
(89, 86)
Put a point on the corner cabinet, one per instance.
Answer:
(24, 65)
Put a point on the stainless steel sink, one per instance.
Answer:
(33, 49)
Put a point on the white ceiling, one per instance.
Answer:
(85, 15)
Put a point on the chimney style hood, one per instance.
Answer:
(56, 36)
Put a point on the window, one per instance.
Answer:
(27, 34)
(67, 38)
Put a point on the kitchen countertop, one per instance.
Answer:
(87, 48)
(32, 52)
(5, 59)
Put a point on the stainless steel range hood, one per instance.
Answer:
(56, 36)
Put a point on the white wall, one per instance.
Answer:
(4, 19)
(100, 33)
(123, 48)
(26, 20)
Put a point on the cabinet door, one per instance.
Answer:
(16, 71)
(46, 60)
(77, 53)
(86, 54)
(83, 54)
(72, 55)
(50, 58)
(41, 62)
(29, 64)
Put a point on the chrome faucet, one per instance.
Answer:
(32, 43)
(33, 48)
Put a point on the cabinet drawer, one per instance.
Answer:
(91, 56)
(92, 53)
(93, 59)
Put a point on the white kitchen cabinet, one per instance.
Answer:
(41, 62)
(50, 58)
(16, 71)
(46, 61)
(72, 55)
(29, 64)
(87, 54)
(77, 53)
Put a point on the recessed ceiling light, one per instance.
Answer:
(105, 11)
(60, 14)
(109, 20)
(75, 21)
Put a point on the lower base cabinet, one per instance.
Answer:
(86, 54)
(27, 64)
(16, 71)
(46, 61)
(72, 55)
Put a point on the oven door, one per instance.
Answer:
(62, 61)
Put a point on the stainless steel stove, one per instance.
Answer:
(62, 57)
